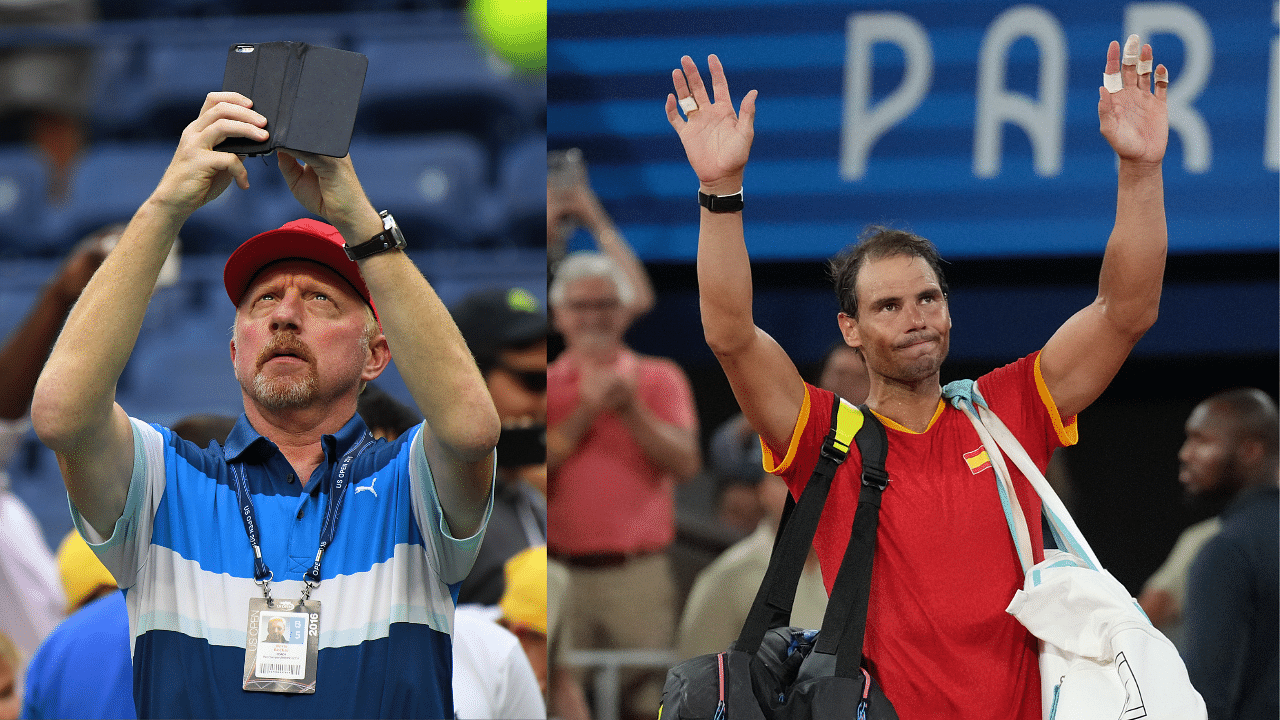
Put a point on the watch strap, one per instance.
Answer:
(389, 239)
(721, 203)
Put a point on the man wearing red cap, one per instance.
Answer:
(203, 541)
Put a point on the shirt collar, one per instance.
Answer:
(245, 444)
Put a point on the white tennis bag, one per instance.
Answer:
(1100, 657)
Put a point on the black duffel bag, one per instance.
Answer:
(777, 672)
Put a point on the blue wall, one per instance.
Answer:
(609, 72)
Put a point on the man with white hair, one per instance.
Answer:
(622, 430)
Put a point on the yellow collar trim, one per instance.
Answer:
(891, 424)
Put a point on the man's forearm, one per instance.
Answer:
(612, 244)
(564, 436)
(76, 390)
(1133, 264)
(724, 277)
(673, 448)
(445, 383)
(432, 357)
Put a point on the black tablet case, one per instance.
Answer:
(308, 93)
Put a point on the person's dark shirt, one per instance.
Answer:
(1233, 611)
(519, 520)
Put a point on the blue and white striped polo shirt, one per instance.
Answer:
(388, 582)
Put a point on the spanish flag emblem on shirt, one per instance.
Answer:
(978, 460)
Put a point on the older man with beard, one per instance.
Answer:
(204, 541)
(937, 634)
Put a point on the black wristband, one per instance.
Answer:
(721, 203)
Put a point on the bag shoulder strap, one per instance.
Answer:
(838, 649)
(999, 442)
(799, 523)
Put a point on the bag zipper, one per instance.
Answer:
(720, 705)
(1057, 691)
(866, 692)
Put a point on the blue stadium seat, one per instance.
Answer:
(109, 184)
(177, 73)
(523, 188)
(183, 369)
(113, 180)
(435, 186)
(24, 183)
(440, 83)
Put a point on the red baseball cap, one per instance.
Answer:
(304, 239)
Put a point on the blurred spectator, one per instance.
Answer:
(84, 577)
(29, 587)
(565, 697)
(622, 431)
(10, 671)
(83, 669)
(507, 334)
(45, 88)
(385, 416)
(722, 593)
(29, 590)
(1207, 487)
(500, 668)
(844, 372)
(735, 459)
(1232, 641)
(524, 606)
(492, 676)
(572, 203)
(204, 428)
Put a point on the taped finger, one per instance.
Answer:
(1162, 75)
(1144, 67)
(688, 105)
(1112, 82)
(1132, 50)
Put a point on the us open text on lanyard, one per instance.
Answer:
(282, 643)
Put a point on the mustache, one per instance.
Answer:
(285, 344)
(918, 336)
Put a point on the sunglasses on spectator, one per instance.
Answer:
(532, 380)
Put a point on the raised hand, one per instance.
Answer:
(716, 140)
(1133, 119)
(198, 173)
(328, 187)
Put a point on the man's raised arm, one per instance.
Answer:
(717, 142)
(428, 349)
(1083, 356)
(73, 409)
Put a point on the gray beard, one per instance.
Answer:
(283, 393)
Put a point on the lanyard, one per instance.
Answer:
(261, 573)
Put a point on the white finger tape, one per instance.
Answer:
(1112, 82)
(1144, 67)
(688, 105)
(1132, 49)
(1162, 75)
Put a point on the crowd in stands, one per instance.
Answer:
(451, 137)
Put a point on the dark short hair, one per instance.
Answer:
(877, 242)
(1252, 412)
